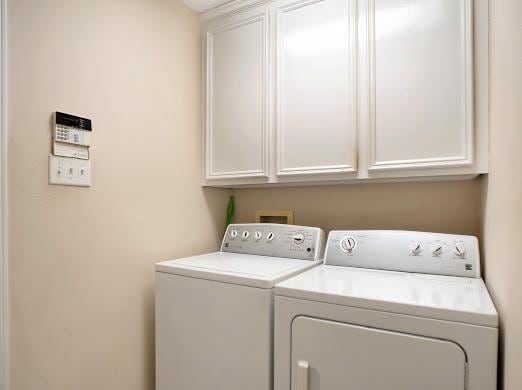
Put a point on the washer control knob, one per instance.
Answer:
(416, 248)
(257, 235)
(233, 233)
(270, 236)
(245, 234)
(436, 249)
(348, 244)
(298, 238)
(460, 249)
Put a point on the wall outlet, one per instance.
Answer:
(68, 171)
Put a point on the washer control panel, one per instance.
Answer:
(396, 250)
(277, 240)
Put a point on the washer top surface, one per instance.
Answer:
(450, 298)
(237, 268)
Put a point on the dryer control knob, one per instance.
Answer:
(270, 236)
(415, 248)
(436, 249)
(348, 244)
(233, 233)
(245, 234)
(257, 235)
(460, 249)
(298, 238)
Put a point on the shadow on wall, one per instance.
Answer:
(217, 208)
(216, 202)
(448, 207)
(149, 341)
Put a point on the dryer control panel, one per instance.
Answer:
(396, 250)
(277, 240)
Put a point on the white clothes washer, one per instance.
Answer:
(214, 312)
(390, 310)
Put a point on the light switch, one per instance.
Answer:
(69, 171)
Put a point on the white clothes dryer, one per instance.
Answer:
(390, 310)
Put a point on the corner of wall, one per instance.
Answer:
(4, 284)
(4, 280)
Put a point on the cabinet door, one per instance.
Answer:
(316, 87)
(420, 71)
(236, 97)
(329, 355)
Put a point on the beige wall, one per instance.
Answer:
(503, 187)
(81, 260)
(452, 207)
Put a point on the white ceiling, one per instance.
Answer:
(204, 5)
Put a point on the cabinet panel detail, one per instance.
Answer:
(316, 87)
(237, 95)
(421, 83)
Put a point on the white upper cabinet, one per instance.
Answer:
(237, 109)
(315, 91)
(316, 86)
(421, 83)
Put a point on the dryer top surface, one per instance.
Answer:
(457, 299)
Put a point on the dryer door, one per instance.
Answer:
(329, 355)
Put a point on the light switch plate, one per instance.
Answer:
(68, 171)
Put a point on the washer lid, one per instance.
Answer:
(448, 298)
(237, 268)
